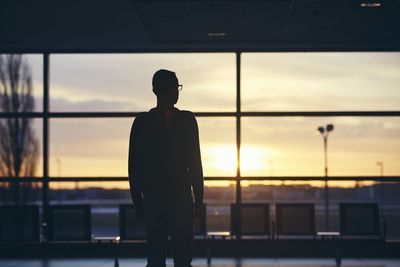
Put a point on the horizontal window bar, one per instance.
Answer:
(210, 178)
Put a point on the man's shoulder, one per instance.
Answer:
(145, 116)
(189, 119)
(140, 118)
(187, 114)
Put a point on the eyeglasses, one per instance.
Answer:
(180, 87)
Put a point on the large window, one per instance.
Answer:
(82, 116)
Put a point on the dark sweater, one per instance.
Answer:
(164, 156)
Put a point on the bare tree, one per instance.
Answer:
(19, 147)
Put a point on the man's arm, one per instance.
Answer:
(196, 169)
(133, 163)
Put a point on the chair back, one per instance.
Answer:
(359, 219)
(250, 219)
(69, 223)
(19, 223)
(294, 219)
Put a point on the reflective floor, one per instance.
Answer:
(226, 262)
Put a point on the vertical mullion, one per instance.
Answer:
(238, 143)
(45, 186)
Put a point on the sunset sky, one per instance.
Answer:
(271, 146)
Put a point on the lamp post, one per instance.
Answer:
(325, 133)
(273, 185)
(58, 161)
(380, 164)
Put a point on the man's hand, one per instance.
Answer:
(198, 210)
(139, 211)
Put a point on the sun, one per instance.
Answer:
(221, 160)
(254, 160)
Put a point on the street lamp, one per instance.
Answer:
(380, 164)
(325, 133)
(58, 161)
(381, 195)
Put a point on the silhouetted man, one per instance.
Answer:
(164, 166)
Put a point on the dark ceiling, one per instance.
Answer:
(163, 26)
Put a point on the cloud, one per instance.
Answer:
(62, 104)
(127, 78)
(321, 81)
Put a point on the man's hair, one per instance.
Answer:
(163, 80)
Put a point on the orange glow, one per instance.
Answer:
(340, 184)
(219, 183)
(254, 160)
(84, 185)
(217, 159)
(213, 184)
(222, 159)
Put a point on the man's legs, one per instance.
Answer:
(156, 233)
(180, 221)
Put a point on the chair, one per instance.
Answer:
(295, 219)
(69, 223)
(359, 219)
(130, 227)
(19, 223)
(250, 219)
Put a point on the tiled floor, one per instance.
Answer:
(270, 262)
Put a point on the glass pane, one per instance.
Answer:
(122, 82)
(320, 81)
(219, 192)
(388, 195)
(218, 146)
(218, 218)
(30, 193)
(89, 147)
(28, 87)
(21, 147)
(218, 196)
(99, 147)
(293, 146)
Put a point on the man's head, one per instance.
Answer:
(165, 86)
